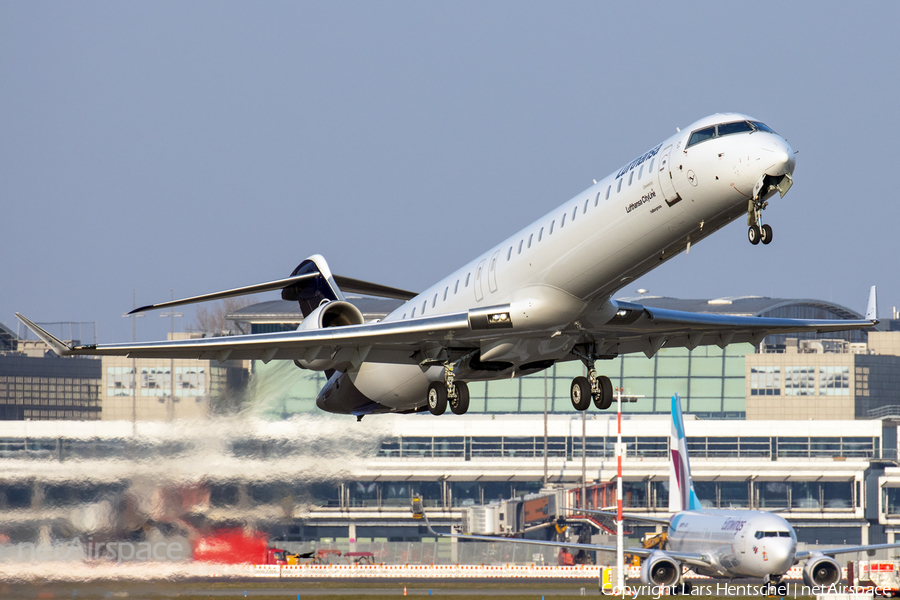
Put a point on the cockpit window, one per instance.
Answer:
(762, 534)
(730, 128)
(762, 127)
(702, 135)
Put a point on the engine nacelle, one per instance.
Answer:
(821, 570)
(330, 314)
(660, 569)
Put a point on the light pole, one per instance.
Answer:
(134, 373)
(170, 405)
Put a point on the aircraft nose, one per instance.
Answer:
(783, 158)
(781, 557)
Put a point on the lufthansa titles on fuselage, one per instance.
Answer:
(639, 161)
(644, 200)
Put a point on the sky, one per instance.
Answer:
(199, 146)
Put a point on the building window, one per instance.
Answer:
(799, 381)
(834, 381)
(765, 381)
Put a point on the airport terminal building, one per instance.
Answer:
(801, 424)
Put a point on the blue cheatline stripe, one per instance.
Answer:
(676, 416)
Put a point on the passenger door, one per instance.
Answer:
(665, 177)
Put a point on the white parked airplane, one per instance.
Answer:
(541, 296)
(721, 543)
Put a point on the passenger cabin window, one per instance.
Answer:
(520, 245)
(413, 316)
(574, 212)
(424, 304)
(509, 254)
(584, 210)
(701, 135)
(619, 187)
(608, 190)
(467, 279)
(630, 178)
(540, 234)
(446, 290)
(597, 201)
(456, 287)
(650, 166)
(563, 222)
(641, 173)
(552, 223)
(404, 316)
(434, 302)
(530, 237)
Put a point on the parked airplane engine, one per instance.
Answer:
(821, 570)
(660, 569)
(330, 314)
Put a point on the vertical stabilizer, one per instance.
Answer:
(681, 488)
(313, 292)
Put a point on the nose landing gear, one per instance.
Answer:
(757, 232)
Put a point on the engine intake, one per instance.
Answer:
(821, 570)
(660, 569)
(329, 314)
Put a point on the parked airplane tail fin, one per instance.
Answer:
(681, 488)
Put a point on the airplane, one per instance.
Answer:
(541, 296)
(718, 543)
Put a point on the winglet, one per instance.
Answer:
(56, 345)
(872, 308)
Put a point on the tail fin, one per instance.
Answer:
(681, 488)
(319, 287)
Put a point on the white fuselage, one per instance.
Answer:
(567, 264)
(739, 543)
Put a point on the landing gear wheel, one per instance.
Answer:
(754, 234)
(765, 234)
(604, 398)
(581, 393)
(437, 397)
(460, 404)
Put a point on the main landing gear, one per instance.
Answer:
(448, 392)
(757, 232)
(593, 387)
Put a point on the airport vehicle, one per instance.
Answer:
(721, 543)
(543, 295)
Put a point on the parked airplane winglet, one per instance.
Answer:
(56, 345)
(872, 308)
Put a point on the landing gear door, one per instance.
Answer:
(665, 177)
(492, 272)
(479, 278)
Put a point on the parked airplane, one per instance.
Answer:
(722, 543)
(541, 296)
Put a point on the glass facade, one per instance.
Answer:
(710, 381)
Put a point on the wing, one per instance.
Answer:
(387, 341)
(690, 558)
(803, 555)
(638, 328)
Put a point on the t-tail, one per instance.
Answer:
(681, 488)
